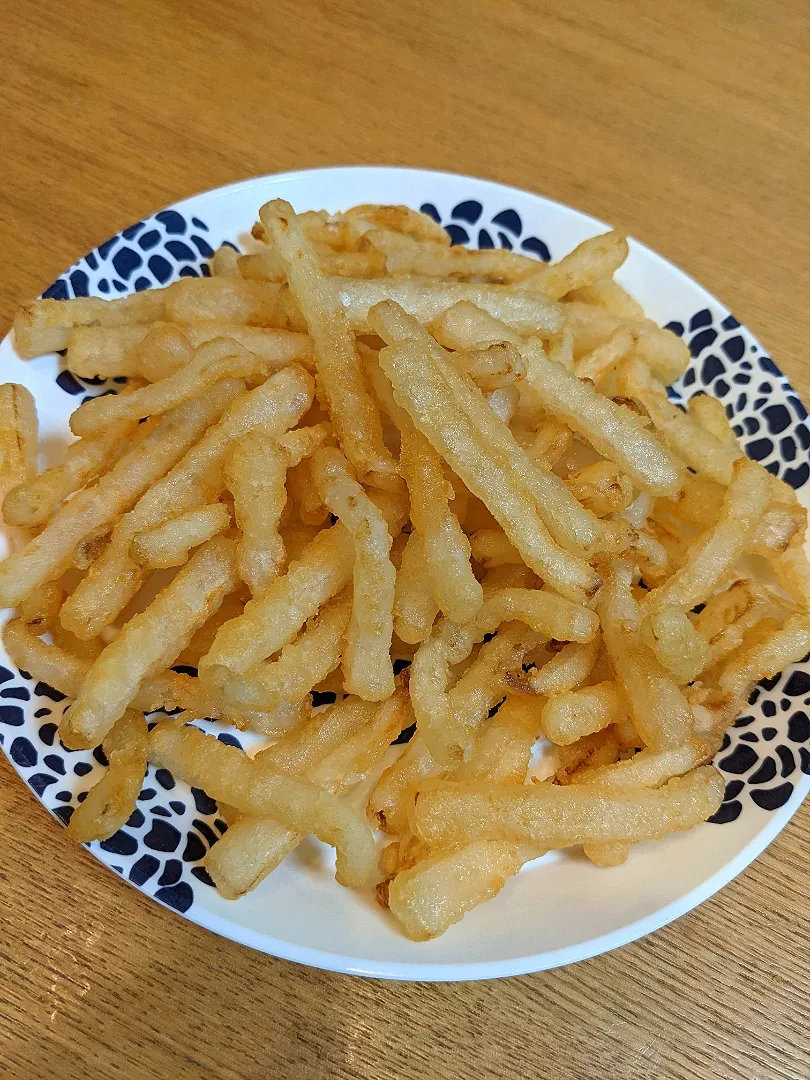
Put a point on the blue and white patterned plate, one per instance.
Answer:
(562, 908)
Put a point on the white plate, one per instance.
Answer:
(561, 909)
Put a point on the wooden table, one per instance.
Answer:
(685, 125)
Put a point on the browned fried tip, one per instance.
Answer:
(629, 403)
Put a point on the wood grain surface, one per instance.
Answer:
(686, 126)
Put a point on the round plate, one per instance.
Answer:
(561, 908)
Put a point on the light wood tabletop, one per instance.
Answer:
(683, 125)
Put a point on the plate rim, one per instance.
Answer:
(464, 971)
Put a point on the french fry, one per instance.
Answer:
(256, 845)
(612, 430)
(195, 480)
(727, 617)
(550, 816)
(714, 554)
(110, 802)
(435, 893)
(18, 440)
(693, 443)
(305, 495)
(65, 671)
(389, 802)
(39, 610)
(112, 351)
(224, 262)
(567, 521)
(446, 549)
(552, 440)
(465, 326)
(169, 544)
(678, 645)
(566, 669)
(450, 643)
(304, 441)
(231, 606)
(667, 537)
(336, 231)
(300, 665)
(350, 762)
(341, 232)
(400, 219)
(353, 264)
(665, 354)
(426, 299)
(297, 539)
(255, 474)
(607, 854)
(404, 255)
(271, 621)
(514, 496)
(285, 717)
(492, 367)
(593, 260)
(610, 295)
(652, 558)
(777, 528)
(601, 487)
(367, 667)
(265, 265)
(34, 500)
(163, 352)
(744, 669)
(503, 402)
(228, 774)
(44, 326)
(503, 744)
(415, 606)
(346, 743)
(697, 504)
(569, 716)
(218, 359)
(648, 768)
(151, 641)
(599, 361)
(710, 413)
(88, 650)
(793, 573)
(47, 663)
(561, 348)
(657, 707)
(107, 351)
(588, 753)
(352, 409)
(225, 299)
(49, 554)
(490, 548)
(485, 682)
(322, 734)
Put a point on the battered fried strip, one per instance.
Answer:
(271, 621)
(115, 578)
(95, 508)
(367, 667)
(227, 774)
(351, 407)
(150, 641)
